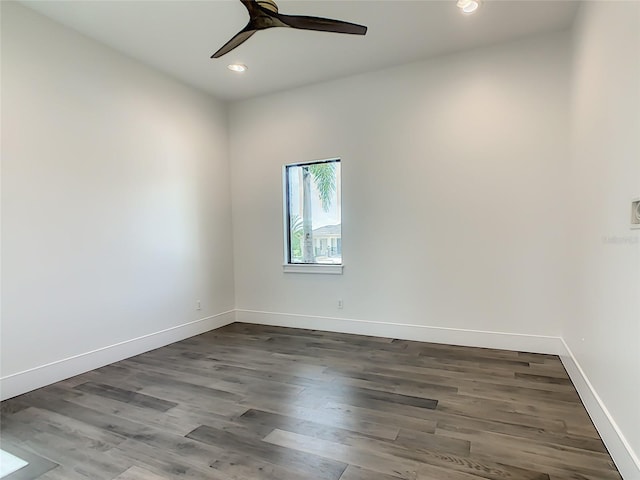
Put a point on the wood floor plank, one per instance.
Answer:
(255, 402)
(357, 473)
(126, 396)
(256, 468)
(547, 456)
(39, 420)
(81, 456)
(543, 378)
(168, 464)
(61, 473)
(264, 422)
(110, 423)
(394, 460)
(458, 426)
(340, 453)
(417, 387)
(559, 470)
(137, 473)
(176, 420)
(363, 396)
(434, 442)
(314, 465)
(335, 416)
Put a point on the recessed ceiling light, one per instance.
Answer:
(237, 67)
(468, 6)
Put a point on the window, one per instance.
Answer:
(313, 223)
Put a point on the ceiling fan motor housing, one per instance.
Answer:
(268, 5)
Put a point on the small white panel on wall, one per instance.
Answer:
(635, 213)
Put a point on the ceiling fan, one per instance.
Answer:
(264, 14)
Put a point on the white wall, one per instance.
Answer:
(603, 328)
(116, 211)
(452, 173)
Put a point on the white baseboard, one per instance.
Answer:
(404, 331)
(623, 455)
(25, 381)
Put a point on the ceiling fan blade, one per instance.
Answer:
(321, 24)
(236, 41)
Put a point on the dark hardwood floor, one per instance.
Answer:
(257, 402)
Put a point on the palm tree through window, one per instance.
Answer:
(313, 212)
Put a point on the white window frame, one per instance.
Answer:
(288, 267)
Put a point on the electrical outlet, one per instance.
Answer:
(198, 306)
(340, 303)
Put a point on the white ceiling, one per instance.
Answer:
(179, 36)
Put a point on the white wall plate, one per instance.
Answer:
(635, 213)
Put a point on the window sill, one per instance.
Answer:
(312, 268)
